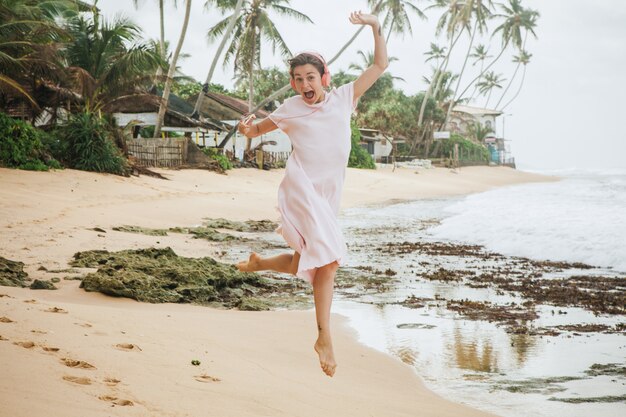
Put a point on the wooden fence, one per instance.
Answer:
(157, 152)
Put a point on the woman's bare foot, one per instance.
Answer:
(252, 264)
(324, 348)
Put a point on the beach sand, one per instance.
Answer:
(251, 363)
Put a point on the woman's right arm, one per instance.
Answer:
(247, 128)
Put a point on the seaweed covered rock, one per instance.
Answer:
(12, 273)
(39, 284)
(159, 275)
(247, 226)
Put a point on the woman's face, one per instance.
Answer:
(308, 83)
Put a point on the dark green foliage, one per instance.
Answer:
(21, 146)
(221, 159)
(87, 144)
(468, 150)
(359, 157)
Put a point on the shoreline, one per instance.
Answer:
(48, 232)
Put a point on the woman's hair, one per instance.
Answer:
(303, 59)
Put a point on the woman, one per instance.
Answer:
(317, 122)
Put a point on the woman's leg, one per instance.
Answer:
(286, 263)
(323, 285)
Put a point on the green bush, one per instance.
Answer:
(359, 157)
(467, 148)
(221, 159)
(21, 146)
(87, 144)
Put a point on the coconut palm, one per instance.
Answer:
(517, 19)
(367, 60)
(435, 52)
(253, 26)
(397, 15)
(102, 64)
(522, 59)
(480, 54)
(170, 73)
(490, 81)
(477, 11)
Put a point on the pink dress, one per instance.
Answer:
(310, 193)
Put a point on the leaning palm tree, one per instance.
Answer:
(227, 34)
(436, 52)
(367, 60)
(517, 20)
(478, 11)
(490, 81)
(397, 15)
(170, 73)
(252, 27)
(523, 59)
(480, 54)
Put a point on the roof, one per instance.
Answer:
(476, 111)
(177, 115)
(235, 104)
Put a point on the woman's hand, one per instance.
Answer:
(245, 125)
(358, 18)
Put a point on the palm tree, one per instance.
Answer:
(516, 19)
(436, 52)
(253, 26)
(102, 65)
(480, 54)
(162, 47)
(478, 132)
(227, 34)
(490, 81)
(524, 59)
(367, 60)
(397, 17)
(171, 71)
(453, 25)
(478, 11)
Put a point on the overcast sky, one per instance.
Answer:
(569, 113)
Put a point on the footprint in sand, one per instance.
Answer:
(116, 401)
(206, 378)
(77, 380)
(28, 344)
(5, 295)
(6, 320)
(127, 346)
(31, 301)
(111, 381)
(3, 338)
(50, 349)
(39, 331)
(56, 310)
(77, 364)
(83, 324)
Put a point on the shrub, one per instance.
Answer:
(21, 146)
(221, 159)
(87, 144)
(359, 157)
(467, 148)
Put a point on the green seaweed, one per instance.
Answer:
(247, 226)
(12, 273)
(141, 230)
(581, 400)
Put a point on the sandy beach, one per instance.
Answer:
(73, 353)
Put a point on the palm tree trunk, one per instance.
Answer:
(251, 88)
(489, 97)
(508, 85)
(170, 73)
(458, 83)
(482, 65)
(478, 77)
(220, 48)
(393, 19)
(162, 38)
(518, 90)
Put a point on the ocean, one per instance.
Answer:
(557, 364)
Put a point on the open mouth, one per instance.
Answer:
(309, 94)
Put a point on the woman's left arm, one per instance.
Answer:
(371, 74)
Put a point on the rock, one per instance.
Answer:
(12, 273)
(42, 285)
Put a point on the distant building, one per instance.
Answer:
(462, 117)
(378, 145)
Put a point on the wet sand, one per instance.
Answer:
(68, 352)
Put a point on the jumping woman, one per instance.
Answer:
(317, 122)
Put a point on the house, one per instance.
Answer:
(462, 117)
(230, 110)
(378, 145)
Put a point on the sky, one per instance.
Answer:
(568, 115)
